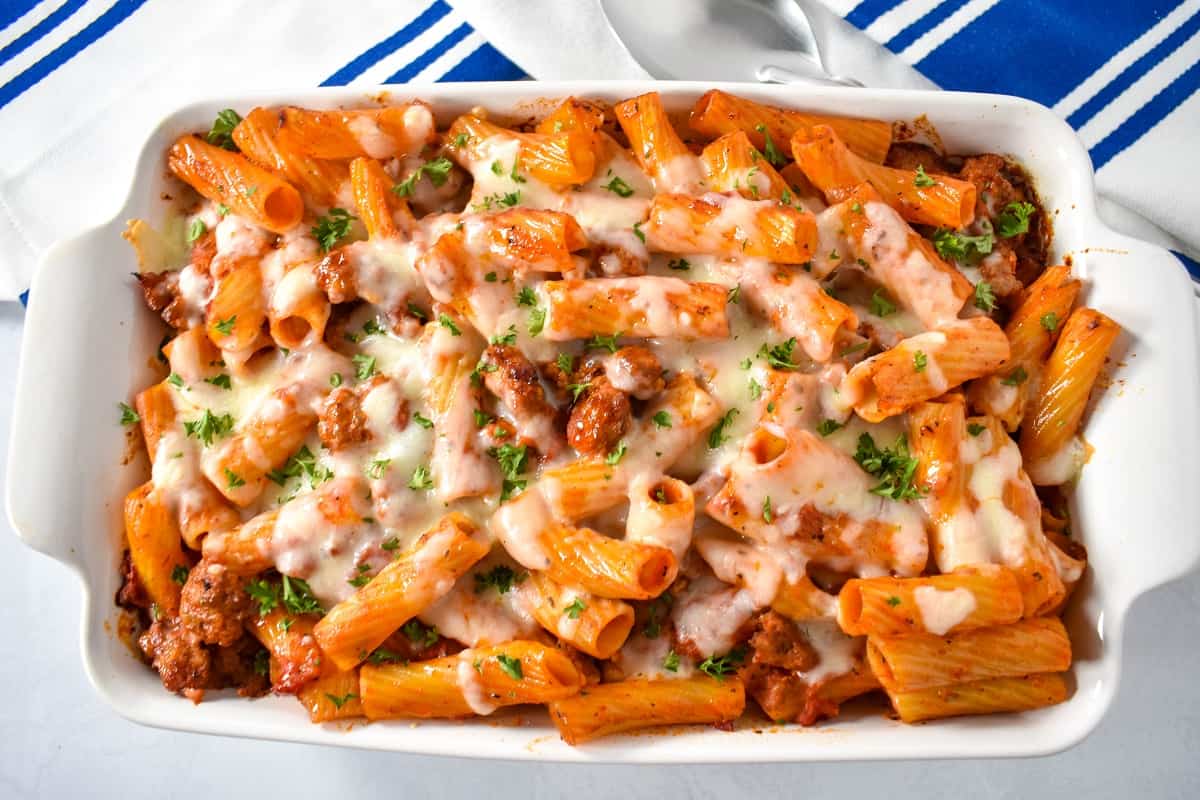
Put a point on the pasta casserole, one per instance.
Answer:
(637, 417)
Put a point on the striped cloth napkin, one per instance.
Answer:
(83, 81)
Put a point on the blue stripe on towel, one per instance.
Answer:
(49, 23)
(104, 23)
(1146, 117)
(868, 11)
(13, 10)
(1040, 49)
(411, 71)
(391, 44)
(923, 25)
(485, 64)
(1190, 264)
(1134, 71)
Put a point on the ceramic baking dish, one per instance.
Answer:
(88, 340)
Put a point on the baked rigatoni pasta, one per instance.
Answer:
(604, 412)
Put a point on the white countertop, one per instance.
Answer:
(59, 740)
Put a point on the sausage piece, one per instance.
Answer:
(635, 370)
(519, 386)
(599, 419)
(213, 604)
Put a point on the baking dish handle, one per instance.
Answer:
(1162, 325)
(71, 347)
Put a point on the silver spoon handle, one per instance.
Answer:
(772, 73)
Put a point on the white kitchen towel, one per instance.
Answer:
(83, 81)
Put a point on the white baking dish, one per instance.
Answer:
(88, 343)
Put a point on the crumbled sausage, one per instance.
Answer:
(239, 666)
(635, 370)
(182, 661)
(910, 155)
(1000, 270)
(161, 290)
(519, 386)
(203, 253)
(214, 605)
(342, 423)
(599, 419)
(987, 172)
(132, 593)
(777, 642)
(335, 276)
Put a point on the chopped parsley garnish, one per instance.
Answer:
(920, 360)
(419, 634)
(332, 228)
(1014, 219)
(509, 338)
(661, 419)
(362, 578)
(767, 514)
(481, 418)
(490, 277)
(225, 326)
(537, 321)
(416, 311)
(717, 436)
(497, 169)
(221, 381)
(565, 362)
(922, 180)
(618, 452)
(577, 389)
(637, 231)
(513, 460)
(893, 601)
(779, 356)
(526, 297)
(223, 209)
(608, 343)
(671, 662)
(1049, 321)
(381, 655)
(179, 574)
(734, 294)
(724, 666)
(773, 156)
(985, 298)
(266, 593)
(619, 187)
(679, 264)
(372, 328)
(377, 467)
(656, 612)
(391, 544)
(302, 462)
(196, 230)
(438, 171)
(880, 305)
(338, 702)
(422, 420)
(298, 598)
(576, 608)
(1016, 377)
(208, 427)
(421, 479)
(234, 480)
(500, 577)
(755, 389)
(962, 247)
(364, 366)
(828, 426)
(447, 323)
(975, 428)
(221, 132)
(511, 666)
(128, 415)
(893, 466)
